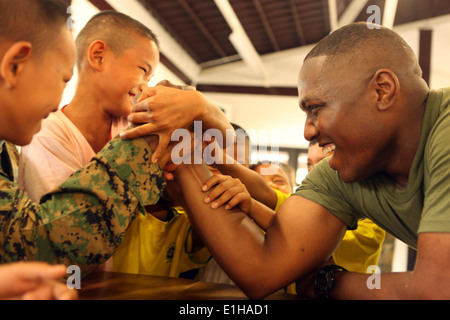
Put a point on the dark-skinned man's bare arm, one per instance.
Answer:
(297, 242)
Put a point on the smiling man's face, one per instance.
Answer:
(341, 116)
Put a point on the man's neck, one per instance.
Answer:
(405, 150)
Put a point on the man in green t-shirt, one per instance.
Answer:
(364, 97)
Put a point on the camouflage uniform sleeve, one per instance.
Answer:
(84, 220)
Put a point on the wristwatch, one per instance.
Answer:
(324, 282)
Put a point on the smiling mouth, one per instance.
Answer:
(327, 148)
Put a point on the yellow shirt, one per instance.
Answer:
(359, 249)
(161, 248)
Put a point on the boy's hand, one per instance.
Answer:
(160, 111)
(172, 160)
(163, 159)
(228, 191)
(34, 281)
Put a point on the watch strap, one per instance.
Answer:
(324, 282)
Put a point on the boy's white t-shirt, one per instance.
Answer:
(56, 151)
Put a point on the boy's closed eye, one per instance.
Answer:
(279, 181)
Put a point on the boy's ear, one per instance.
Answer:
(13, 62)
(96, 54)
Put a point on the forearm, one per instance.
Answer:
(212, 116)
(215, 225)
(255, 184)
(388, 286)
(261, 263)
(429, 280)
(261, 214)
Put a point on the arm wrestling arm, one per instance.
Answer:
(295, 244)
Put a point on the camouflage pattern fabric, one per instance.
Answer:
(84, 220)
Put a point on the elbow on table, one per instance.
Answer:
(255, 294)
(256, 290)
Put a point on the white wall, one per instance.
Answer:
(440, 63)
(280, 114)
(258, 114)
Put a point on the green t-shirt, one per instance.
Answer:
(423, 206)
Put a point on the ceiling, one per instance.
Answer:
(271, 25)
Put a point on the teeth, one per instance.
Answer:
(328, 149)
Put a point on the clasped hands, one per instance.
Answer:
(159, 111)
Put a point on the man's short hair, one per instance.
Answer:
(363, 38)
(35, 21)
(115, 29)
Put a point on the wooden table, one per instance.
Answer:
(101, 285)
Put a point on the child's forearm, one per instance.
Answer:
(261, 214)
(252, 180)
